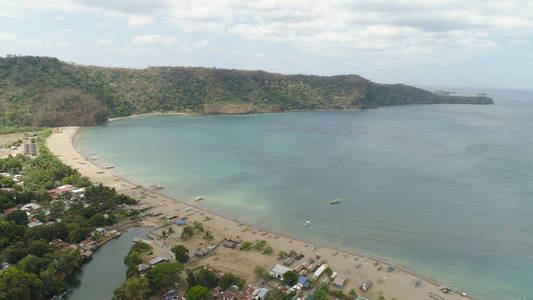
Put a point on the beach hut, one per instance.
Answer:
(157, 260)
(319, 271)
(260, 294)
(181, 222)
(339, 281)
(278, 271)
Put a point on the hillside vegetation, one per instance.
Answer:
(44, 91)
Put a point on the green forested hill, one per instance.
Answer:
(44, 91)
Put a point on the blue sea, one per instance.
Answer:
(446, 190)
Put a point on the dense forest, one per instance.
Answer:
(44, 91)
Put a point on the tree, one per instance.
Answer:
(30, 264)
(68, 262)
(187, 232)
(18, 217)
(328, 271)
(246, 246)
(191, 278)
(228, 280)
(164, 275)
(136, 288)
(181, 253)
(206, 278)
(15, 252)
(338, 294)
(275, 294)
(39, 248)
(197, 292)
(57, 209)
(198, 226)
(170, 232)
(16, 284)
(290, 278)
(352, 294)
(260, 245)
(268, 250)
(164, 236)
(320, 295)
(208, 237)
(261, 273)
(282, 254)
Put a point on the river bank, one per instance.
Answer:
(396, 284)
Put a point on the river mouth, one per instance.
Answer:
(421, 185)
(106, 270)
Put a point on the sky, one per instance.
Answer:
(468, 43)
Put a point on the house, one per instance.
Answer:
(181, 222)
(260, 294)
(233, 239)
(171, 295)
(34, 224)
(31, 208)
(278, 271)
(157, 260)
(229, 244)
(225, 295)
(288, 261)
(64, 188)
(59, 243)
(143, 267)
(10, 210)
(320, 271)
(100, 230)
(339, 281)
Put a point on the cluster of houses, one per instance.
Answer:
(308, 272)
(34, 209)
(17, 178)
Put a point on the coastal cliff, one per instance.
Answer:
(44, 91)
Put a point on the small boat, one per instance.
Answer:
(199, 198)
(307, 223)
(336, 201)
(108, 167)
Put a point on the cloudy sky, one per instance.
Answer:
(476, 43)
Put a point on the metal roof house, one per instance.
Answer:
(278, 271)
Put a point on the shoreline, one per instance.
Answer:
(96, 173)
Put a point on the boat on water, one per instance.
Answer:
(336, 201)
(307, 223)
(108, 167)
(199, 198)
(157, 187)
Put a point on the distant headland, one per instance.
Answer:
(44, 91)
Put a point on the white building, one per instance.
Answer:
(278, 271)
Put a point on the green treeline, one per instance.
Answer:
(44, 91)
(39, 268)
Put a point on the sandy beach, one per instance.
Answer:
(396, 284)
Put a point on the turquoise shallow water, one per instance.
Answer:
(444, 189)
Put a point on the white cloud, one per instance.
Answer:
(139, 21)
(146, 39)
(8, 37)
(104, 41)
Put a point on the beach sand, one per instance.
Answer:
(7, 139)
(396, 284)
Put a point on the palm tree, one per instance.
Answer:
(170, 232)
(164, 237)
(198, 226)
(352, 294)
(207, 237)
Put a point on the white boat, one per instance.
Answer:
(307, 223)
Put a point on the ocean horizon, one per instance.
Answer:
(441, 189)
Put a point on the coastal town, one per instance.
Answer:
(260, 264)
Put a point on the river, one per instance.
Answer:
(106, 270)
